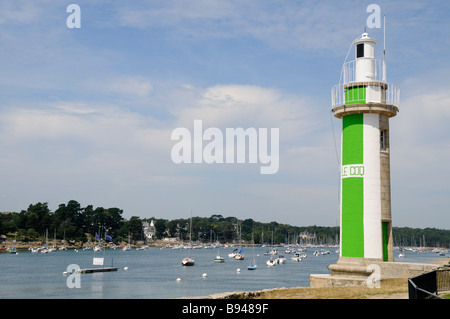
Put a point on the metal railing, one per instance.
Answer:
(428, 285)
(391, 95)
(349, 71)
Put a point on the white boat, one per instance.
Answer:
(281, 260)
(34, 249)
(274, 251)
(271, 262)
(239, 256)
(127, 247)
(44, 249)
(252, 266)
(296, 257)
(97, 248)
(233, 253)
(219, 259)
(189, 261)
(13, 250)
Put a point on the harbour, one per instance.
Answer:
(157, 273)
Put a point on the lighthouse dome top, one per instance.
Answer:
(364, 38)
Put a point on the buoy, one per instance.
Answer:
(205, 275)
(125, 268)
(64, 273)
(238, 270)
(178, 279)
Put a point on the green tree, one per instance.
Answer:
(134, 226)
(39, 217)
(160, 228)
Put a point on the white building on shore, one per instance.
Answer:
(149, 230)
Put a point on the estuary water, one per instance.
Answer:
(153, 273)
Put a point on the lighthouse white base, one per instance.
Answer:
(363, 271)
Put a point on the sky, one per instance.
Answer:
(87, 113)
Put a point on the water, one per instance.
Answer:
(153, 273)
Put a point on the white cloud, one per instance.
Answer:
(290, 25)
(249, 106)
(96, 106)
(133, 86)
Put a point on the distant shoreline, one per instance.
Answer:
(79, 245)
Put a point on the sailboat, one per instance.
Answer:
(240, 254)
(45, 250)
(252, 266)
(63, 242)
(233, 253)
(219, 259)
(127, 247)
(53, 248)
(13, 250)
(188, 261)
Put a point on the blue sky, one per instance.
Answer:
(87, 113)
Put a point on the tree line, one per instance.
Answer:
(72, 222)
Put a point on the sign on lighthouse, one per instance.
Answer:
(365, 102)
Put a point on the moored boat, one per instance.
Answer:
(188, 261)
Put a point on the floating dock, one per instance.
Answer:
(92, 270)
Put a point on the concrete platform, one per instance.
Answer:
(356, 271)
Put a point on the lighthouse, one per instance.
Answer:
(365, 102)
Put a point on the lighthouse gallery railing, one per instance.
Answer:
(348, 78)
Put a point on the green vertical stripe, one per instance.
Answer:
(352, 139)
(352, 217)
(355, 95)
(384, 228)
(352, 188)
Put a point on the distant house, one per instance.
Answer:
(149, 230)
(307, 235)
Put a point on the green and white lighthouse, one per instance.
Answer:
(365, 102)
